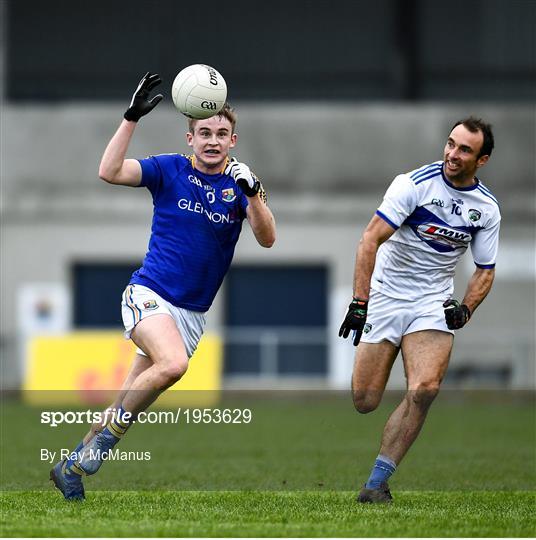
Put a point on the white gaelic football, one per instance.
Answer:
(199, 91)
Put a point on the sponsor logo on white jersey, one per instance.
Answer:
(443, 235)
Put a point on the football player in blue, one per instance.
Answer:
(199, 203)
(403, 286)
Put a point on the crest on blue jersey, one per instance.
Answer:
(474, 215)
(228, 195)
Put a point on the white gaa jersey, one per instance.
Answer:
(434, 222)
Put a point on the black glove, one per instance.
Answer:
(140, 104)
(355, 319)
(456, 314)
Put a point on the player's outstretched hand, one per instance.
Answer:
(355, 319)
(140, 104)
(456, 314)
(244, 178)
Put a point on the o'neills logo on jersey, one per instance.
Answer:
(443, 235)
(198, 208)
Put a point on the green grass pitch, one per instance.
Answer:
(293, 471)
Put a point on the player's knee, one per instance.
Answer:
(424, 393)
(365, 402)
(172, 371)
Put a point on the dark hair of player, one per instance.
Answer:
(226, 112)
(475, 125)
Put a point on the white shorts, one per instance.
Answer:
(140, 302)
(391, 318)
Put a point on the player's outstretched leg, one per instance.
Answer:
(373, 363)
(159, 337)
(426, 356)
(72, 483)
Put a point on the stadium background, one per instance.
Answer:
(334, 99)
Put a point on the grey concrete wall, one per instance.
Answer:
(317, 151)
(325, 169)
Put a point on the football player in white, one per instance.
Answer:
(403, 286)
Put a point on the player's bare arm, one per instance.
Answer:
(478, 287)
(259, 215)
(114, 168)
(457, 315)
(376, 233)
(262, 221)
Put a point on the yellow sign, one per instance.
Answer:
(90, 367)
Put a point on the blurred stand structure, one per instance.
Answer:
(359, 94)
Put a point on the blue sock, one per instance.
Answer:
(80, 446)
(114, 430)
(381, 472)
(118, 425)
(75, 451)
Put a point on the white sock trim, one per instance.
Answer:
(387, 460)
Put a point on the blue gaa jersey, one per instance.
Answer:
(435, 223)
(196, 223)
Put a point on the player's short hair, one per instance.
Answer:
(227, 112)
(474, 125)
